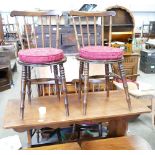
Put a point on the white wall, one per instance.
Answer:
(132, 5)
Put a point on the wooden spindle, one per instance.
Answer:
(42, 33)
(95, 33)
(81, 31)
(88, 31)
(26, 31)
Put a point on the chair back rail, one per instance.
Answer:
(38, 29)
(90, 26)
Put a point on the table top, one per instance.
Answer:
(99, 108)
(120, 143)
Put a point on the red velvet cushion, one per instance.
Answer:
(40, 55)
(101, 53)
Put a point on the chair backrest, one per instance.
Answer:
(92, 28)
(38, 29)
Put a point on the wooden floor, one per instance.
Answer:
(99, 107)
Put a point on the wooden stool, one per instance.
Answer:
(119, 143)
(66, 146)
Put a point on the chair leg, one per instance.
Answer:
(57, 81)
(107, 78)
(29, 91)
(125, 85)
(86, 76)
(80, 79)
(23, 90)
(64, 88)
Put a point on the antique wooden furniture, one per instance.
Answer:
(10, 33)
(122, 27)
(130, 66)
(119, 143)
(46, 55)
(1, 31)
(5, 72)
(100, 109)
(66, 146)
(5, 76)
(94, 51)
(150, 30)
(7, 66)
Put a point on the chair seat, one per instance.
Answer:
(40, 55)
(101, 53)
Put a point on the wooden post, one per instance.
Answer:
(1, 30)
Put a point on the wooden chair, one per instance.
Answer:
(39, 36)
(117, 143)
(130, 66)
(92, 32)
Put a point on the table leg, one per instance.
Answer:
(117, 127)
(29, 138)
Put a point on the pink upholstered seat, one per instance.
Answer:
(100, 53)
(40, 55)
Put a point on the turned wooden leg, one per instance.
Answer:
(64, 88)
(56, 81)
(125, 85)
(80, 79)
(29, 91)
(86, 74)
(23, 90)
(107, 78)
